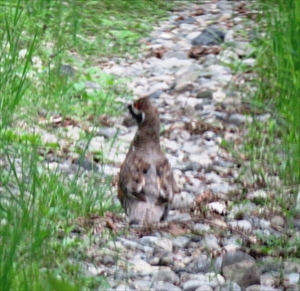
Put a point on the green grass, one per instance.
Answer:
(49, 50)
(279, 79)
(272, 148)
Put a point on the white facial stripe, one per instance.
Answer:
(138, 112)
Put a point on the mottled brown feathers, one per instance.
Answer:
(146, 183)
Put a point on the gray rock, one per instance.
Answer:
(171, 145)
(129, 244)
(208, 135)
(188, 277)
(249, 62)
(243, 48)
(166, 259)
(108, 260)
(232, 240)
(268, 280)
(178, 267)
(210, 60)
(92, 85)
(188, 167)
(199, 227)
(107, 132)
(277, 221)
(262, 288)
(228, 57)
(181, 55)
(198, 107)
(262, 232)
(202, 264)
(96, 144)
(124, 288)
(229, 36)
(244, 273)
(85, 164)
(184, 82)
(225, 16)
(264, 224)
(239, 119)
(291, 281)
(142, 285)
(148, 241)
(245, 208)
(290, 267)
(214, 279)
(165, 286)
(181, 241)
(204, 288)
(183, 200)
(67, 70)
(224, 5)
(235, 257)
(220, 115)
(192, 35)
(222, 163)
(188, 20)
(171, 63)
(213, 178)
(167, 275)
(209, 242)
(205, 95)
(156, 94)
(263, 117)
(218, 264)
(192, 285)
(244, 225)
(179, 217)
(229, 286)
(209, 36)
(163, 243)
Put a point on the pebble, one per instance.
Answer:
(277, 221)
(181, 241)
(238, 119)
(163, 243)
(243, 225)
(209, 242)
(209, 36)
(192, 285)
(107, 132)
(92, 85)
(201, 264)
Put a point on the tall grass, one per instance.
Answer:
(279, 78)
(39, 42)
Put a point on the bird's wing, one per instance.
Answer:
(142, 180)
(165, 181)
(132, 177)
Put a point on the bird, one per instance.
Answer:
(146, 183)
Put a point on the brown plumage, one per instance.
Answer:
(146, 183)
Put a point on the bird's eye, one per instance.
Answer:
(138, 106)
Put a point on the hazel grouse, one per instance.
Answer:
(146, 183)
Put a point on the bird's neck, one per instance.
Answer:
(147, 134)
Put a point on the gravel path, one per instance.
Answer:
(197, 69)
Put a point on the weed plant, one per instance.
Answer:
(49, 52)
(278, 85)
